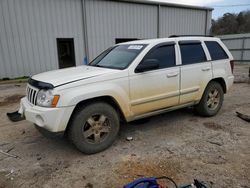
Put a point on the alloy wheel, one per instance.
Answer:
(213, 99)
(96, 129)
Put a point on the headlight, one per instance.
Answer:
(45, 98)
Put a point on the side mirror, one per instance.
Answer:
(147, 65)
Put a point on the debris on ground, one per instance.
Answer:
(7, 154)
(153, 182)
(215, 143)
(10, 149)
(11, 172)
(243, 116)
(129, 138)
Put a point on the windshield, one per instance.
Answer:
(118, 57)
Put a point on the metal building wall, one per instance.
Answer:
(239, 45)
(28, 32)
(29, 28)
(182, 21)
(108, 20)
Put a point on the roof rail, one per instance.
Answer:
(175, 36)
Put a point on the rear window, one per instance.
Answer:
(216, 51)
(192, 53)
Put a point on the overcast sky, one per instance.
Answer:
(218, 11)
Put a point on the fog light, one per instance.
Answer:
(39, 121)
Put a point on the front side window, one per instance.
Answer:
(118, 57)
(192, 53)
(215, 50)
(164, 55)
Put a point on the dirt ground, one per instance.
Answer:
(178, 144)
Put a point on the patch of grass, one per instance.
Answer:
(17, 78)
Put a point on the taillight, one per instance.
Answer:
(232, 65)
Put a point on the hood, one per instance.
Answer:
(69, 75)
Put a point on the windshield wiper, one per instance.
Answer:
(99, 66)
(96, 65)
(107, 67)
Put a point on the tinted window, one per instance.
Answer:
(192, 53)
(164, 54)
(215, 50)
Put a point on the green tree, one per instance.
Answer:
(231, 23)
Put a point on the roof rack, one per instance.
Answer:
(175, 36)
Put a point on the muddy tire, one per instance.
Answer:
(94, 127)
(211, 101)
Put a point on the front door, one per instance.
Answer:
(156, 89)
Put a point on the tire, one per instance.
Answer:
(94, 128)
(211, 101)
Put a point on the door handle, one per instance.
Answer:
(172, 74)
(206, 69)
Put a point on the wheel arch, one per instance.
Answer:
(222, 82)
(107, 99)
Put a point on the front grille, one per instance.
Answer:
(31, 94)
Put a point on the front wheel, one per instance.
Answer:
(211, 101)
(94, 128)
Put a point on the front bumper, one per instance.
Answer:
(51, 119)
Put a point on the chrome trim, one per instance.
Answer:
(31, 93)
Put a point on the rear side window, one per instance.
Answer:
(216, 51)
(164, 54)
(192, 53)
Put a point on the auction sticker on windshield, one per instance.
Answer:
(135, 47)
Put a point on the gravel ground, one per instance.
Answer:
(178, 144)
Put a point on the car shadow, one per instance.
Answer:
(157, 121)
(60, 143)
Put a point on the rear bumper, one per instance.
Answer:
(230, 81)
(51, 119)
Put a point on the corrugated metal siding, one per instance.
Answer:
(236, 54)
(247, 43)
(209, 22)
(28, 32)
(247, 52)
(180, 21)
(29, 28)
(108, 20)
(239, 45)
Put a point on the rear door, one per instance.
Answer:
(156, 89)
(221, 61)
(196, 70)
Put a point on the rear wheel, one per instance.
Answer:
(211, 101)
(94, 127)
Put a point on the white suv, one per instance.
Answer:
(127, 82)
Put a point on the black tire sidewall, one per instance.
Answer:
(81, 117)
(202, 107)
